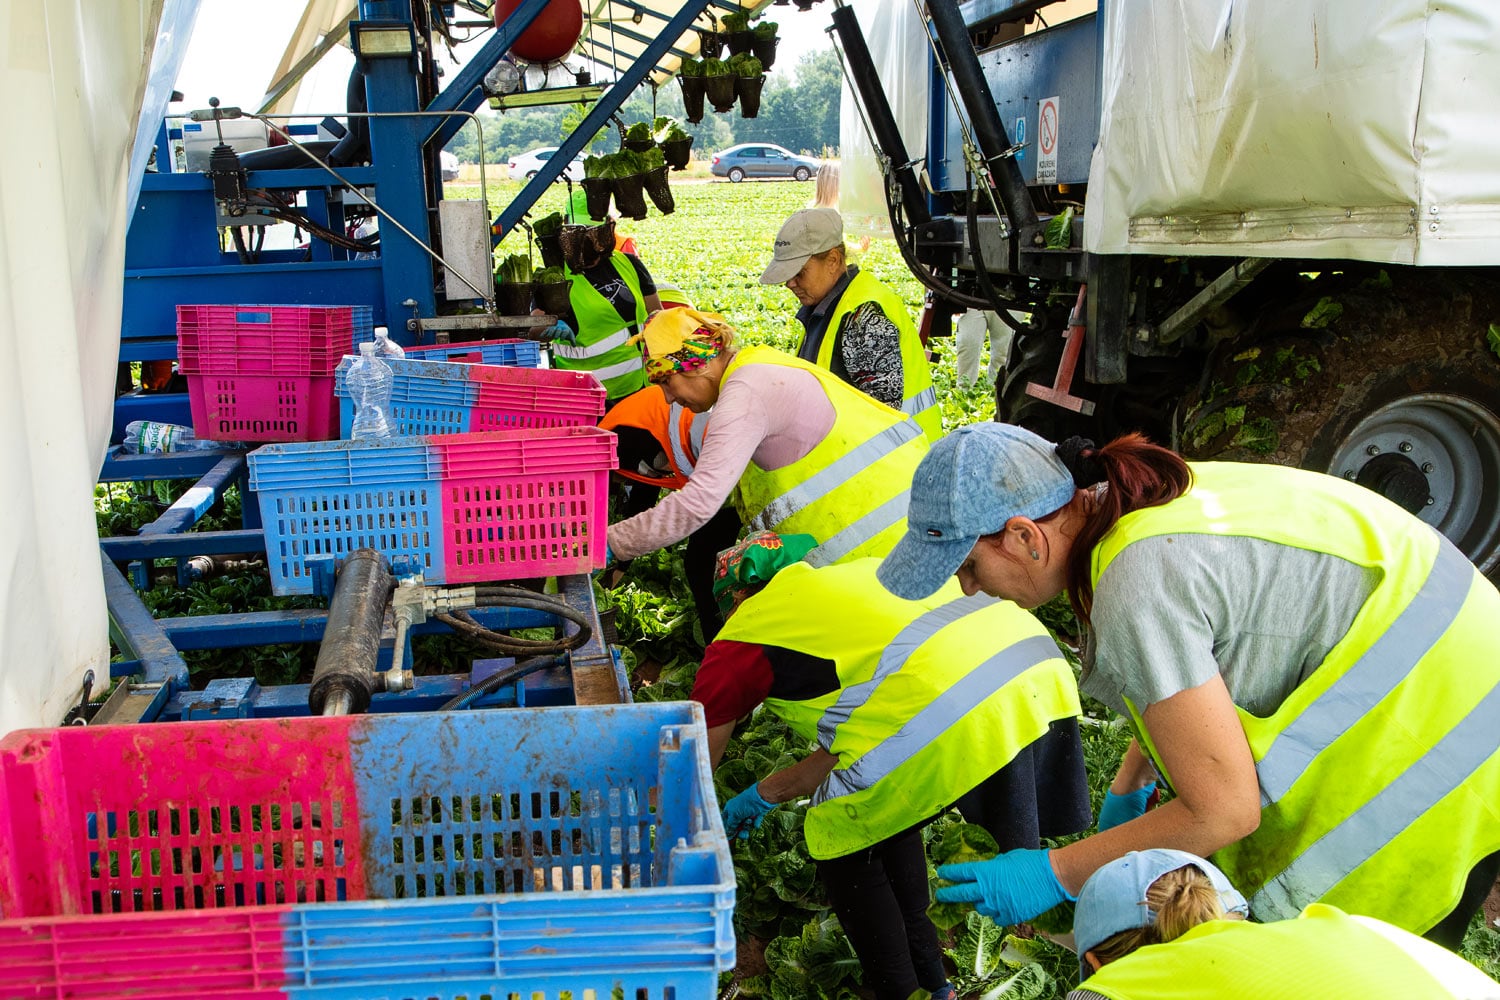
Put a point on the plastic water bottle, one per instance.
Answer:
(386, 347)
(369, 382)
(150, 437)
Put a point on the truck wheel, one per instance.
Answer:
(1400, 393)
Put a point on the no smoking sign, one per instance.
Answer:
(1047, 133)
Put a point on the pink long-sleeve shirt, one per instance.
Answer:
(770, 414)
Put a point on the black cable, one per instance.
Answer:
(498, 680)
(985, 284)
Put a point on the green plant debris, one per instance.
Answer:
(1060, 230)
(1259, 436)
(1323, 314)
(1218, 422)
(1493, 338)
(1249, 354)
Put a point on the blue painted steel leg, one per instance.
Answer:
(141, 637)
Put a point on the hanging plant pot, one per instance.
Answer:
(720, 90)
(585, 246)
(630, 196)
(596, 193)
(748, 89)
(550, 247)
(710, 44)
(659, 190)
(692, 97)
(553, 297)
(741, 41)
(514, 298)
(638, 145)
(765, 50)
(677, 152)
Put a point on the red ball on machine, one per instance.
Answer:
(553, 33)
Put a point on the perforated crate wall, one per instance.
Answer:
(543, 804)
(511, 529)
(403, 522)
(232, 407)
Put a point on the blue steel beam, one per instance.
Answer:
(125, 548)
(606, 106)
(138, 635)
(265, 628)
(122, 467)
(466, 92)
(192, 505)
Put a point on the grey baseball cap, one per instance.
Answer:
(808, 232)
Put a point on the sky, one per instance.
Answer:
(232, 56)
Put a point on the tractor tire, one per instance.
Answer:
(1399, 392)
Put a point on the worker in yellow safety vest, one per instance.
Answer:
(798, 450)
(1314, 672)
(610, 296)
(853, 324)
(1166, 924)
(914, 706)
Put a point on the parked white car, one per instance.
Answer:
(528, 163)
(449, 164)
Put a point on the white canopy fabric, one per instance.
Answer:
(74, 74)
(1300, 128)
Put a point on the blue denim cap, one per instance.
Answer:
(1114, 897)
(971, 482)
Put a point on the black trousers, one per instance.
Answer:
(1449, 932)
(880, 893)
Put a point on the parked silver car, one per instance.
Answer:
(763, 159)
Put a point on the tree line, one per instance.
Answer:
(799, 110)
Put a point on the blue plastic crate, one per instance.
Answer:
(322, 500)
(515, 353)
(537, 853)
(427, 397)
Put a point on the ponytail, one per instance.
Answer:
(1181, 899)
(1139, 474)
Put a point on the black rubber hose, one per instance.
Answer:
(985, 284)
(499, 679)
(519, 597)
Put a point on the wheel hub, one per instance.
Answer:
(1438, 456)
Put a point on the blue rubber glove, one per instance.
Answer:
(561, 332)
(745, 812)
(1119, 809)
(1008, 889)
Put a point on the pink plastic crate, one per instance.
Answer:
(524, 504)
(234, 407)
(535, 397)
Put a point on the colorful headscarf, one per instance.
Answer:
(742, 570)
(680, 340)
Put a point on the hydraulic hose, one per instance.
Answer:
(344, 677)
(519, 597)
(985, 284)
(499, 679)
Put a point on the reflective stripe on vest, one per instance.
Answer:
(902, 665)
(936, 718)
(604, 346)
(850, 492)
(1380, 771)
(918, 399)
(832, 476)
(894, 657)
(680, 458)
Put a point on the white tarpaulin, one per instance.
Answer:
(74, 74)
(898, 47)
(1299, 128)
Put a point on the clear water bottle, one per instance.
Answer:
(386, 347)
(369, 382)
(151, 437)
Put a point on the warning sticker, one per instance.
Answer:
(1047, 131)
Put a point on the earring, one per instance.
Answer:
(1035, 554)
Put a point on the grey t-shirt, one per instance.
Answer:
(1172, 610)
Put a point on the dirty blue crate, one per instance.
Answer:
(427, 397)
(540, 853)
(322, 500)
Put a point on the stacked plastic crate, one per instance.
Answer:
(265, 372)
(540, 853)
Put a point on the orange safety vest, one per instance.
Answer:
(677, 429)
